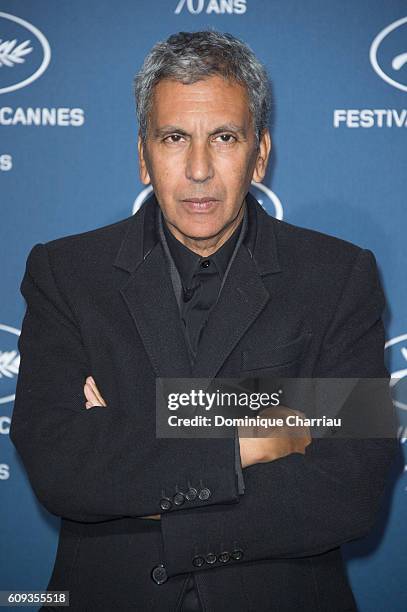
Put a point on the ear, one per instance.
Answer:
(143, 172)
(260, 167)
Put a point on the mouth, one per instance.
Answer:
(200, 204)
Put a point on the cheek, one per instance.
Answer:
(162, 165)
(233, 168)
(235, 179)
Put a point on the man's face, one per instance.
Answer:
(201, 144)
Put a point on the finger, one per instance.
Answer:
(91, 396)
(96, 391)
(93, 385)
(155, 517)
(87, 392)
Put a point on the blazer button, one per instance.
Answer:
(198, 561)
(159, 574)
(204, 494)
(178, 498)
(224, 557)
(237, 554)
(211, 558)
(165, 503)
(191, 494)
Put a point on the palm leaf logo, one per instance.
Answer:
(9, 363)
(10, 54)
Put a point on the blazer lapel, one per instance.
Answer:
(244, 294)
(150, 297)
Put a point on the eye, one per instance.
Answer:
(229, 136)
(172, 136)
(176, 138)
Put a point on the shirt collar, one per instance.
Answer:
(187, 261)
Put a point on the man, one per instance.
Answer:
(201, 282)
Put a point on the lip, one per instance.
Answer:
(200, 205)
(204, 199)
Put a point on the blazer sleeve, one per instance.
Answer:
(302, 505)
(93, 465)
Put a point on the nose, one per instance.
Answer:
(199, 166)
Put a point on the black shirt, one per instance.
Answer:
(201, 279)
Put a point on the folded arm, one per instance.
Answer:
(306, 504)
(94, 465)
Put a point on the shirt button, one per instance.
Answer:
(159, 574)
(205, 263)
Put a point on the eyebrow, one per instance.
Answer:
(226, 127)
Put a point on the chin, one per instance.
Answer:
(200, 230)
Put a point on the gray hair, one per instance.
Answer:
(188, 57)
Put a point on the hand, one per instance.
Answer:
(95, 399)
(92, 394)
(155, 517)
(280, 441)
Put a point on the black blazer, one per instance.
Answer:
(101, 303)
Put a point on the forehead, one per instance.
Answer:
(211, 98)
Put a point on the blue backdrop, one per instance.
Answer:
(68, 163)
